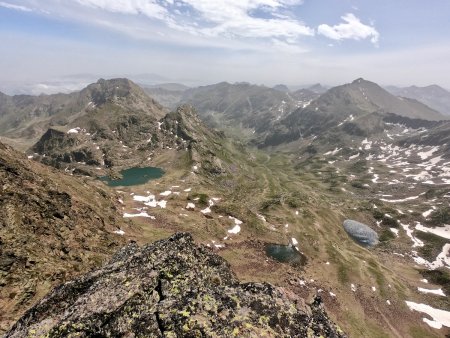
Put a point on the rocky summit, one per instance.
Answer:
(171, 288)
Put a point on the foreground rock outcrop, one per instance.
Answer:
(171, 288)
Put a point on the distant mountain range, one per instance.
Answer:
(434, 96)
(239, 104)
(356, 108)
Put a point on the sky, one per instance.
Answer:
(53, 45)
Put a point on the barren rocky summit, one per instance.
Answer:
(171, 288)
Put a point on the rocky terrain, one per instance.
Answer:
(52, 227)
(172, 288)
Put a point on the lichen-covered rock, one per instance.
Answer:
(172, 288)
(361, 233)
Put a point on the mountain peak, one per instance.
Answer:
(317, 88)
(281, 88)
(120, 90)
(362, 81)
(117, 87)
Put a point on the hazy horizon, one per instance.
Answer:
(291, 42)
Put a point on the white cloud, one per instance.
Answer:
(15, 7)
(234, 18)
(352, 28)
(269, 26)
(149, 8)
(214, 18)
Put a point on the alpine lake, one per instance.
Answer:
(134, 176)
(286, 254)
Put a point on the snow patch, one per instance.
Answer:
(439, 231)
(141, 214)
(353, 157)
(333, 152)
(438, 292)
(409, 232)
(395, 231)
(425, 154)
(235, 230)
(440, 317)
(150, 201)
(74, 130)
(400, 200)
(207, 210)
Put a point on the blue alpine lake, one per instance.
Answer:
(134, 176)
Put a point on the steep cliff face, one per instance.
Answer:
(50, 230)
(172, 288)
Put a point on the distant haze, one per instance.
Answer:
(290, 42)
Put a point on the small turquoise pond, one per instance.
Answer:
(134, 176)
(285, 254)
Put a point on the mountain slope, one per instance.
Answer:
(354, 109)
(28, 117)
(107, 139)
(52, 227)
(242, 104)
(433, 96)
(363, 96)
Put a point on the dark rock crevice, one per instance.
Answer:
(159, 321)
